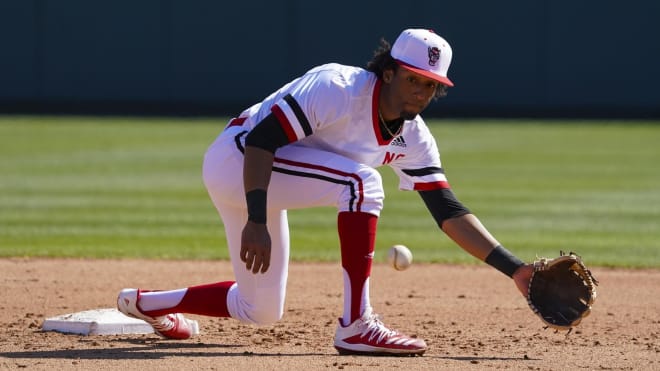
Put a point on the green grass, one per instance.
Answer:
(131, 187)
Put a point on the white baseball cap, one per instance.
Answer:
(424, 52)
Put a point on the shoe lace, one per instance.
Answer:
(164, 323)
(375, 328)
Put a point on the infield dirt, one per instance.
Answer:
(472, 317)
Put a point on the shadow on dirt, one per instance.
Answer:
(476, 359)
(146, 349)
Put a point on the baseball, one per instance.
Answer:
(399, 257)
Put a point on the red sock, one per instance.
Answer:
(205, 300)
(357, 237)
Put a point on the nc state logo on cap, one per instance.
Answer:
(420, 51)
(434, 55)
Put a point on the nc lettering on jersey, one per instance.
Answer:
(391, 156)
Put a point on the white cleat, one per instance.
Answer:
(170, 326)
(369, 336)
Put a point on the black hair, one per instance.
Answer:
(382, 60)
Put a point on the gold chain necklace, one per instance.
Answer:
(392, 135)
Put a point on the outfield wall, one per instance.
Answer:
(511, 58)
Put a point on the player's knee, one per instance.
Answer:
(255, 313)
(262, 308)
(364, 191)
(263, 316)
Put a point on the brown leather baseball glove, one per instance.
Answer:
(561, 291)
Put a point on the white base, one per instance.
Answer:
(108, 321)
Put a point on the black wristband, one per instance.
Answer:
(502, 260)
(256, 205)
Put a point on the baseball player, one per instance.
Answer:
(316, 142)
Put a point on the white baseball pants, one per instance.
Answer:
(302, 177)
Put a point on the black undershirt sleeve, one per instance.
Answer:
(443, 205)
(268, 135)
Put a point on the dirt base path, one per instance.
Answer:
(472, 317)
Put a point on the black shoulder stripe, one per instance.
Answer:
(300, 115)
(424, 171)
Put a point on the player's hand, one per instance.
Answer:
(255, 247)
(522, 276)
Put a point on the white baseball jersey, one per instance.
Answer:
(335, 108)
(330, 117)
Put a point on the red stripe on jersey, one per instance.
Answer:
(431, 186)
(375, 116)
(284, 122)
(355, 177)
(236, 121)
